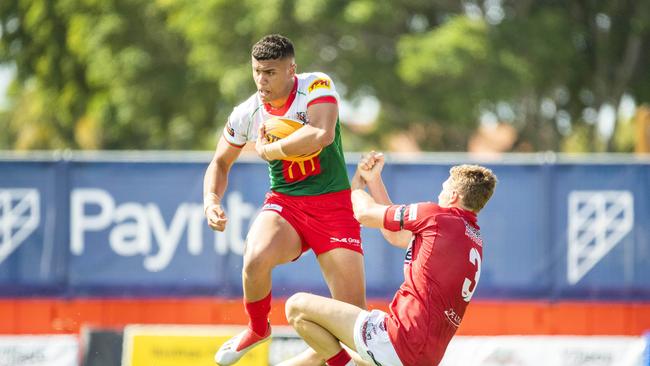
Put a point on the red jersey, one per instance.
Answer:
(441, 270)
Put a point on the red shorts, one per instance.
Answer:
(324, 222)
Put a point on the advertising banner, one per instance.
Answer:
(136, 228)
(32, 205)
(547, 351)
(169, 345)
(60, 350)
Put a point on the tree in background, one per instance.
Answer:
(101, 74)
(165, 74)
(549, 68)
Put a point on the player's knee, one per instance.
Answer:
(257, 263)
(294, 308)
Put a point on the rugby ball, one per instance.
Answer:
(277, 128)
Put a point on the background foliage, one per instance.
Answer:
(164, 74)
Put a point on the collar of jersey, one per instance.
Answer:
(282, 110)
(468, 215)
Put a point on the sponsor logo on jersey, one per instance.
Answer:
(413, 211)
(229, 129)
(318, 84)
(397, 216)
(302, 117)
(473, 234)
(408, 257)
(453, 318)
(272, 206)
(295, 171)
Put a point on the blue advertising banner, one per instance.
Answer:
(136, 228)
(601, 227)
(31, 257)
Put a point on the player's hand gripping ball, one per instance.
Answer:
(278, 128)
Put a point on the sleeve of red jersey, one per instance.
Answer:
(413, 217)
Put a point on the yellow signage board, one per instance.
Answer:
(182, 346)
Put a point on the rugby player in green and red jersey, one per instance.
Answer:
(308, 206)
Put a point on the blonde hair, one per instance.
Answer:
(474, 183)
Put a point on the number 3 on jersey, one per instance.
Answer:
(475, 259)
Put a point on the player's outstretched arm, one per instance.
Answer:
(369, 171)
(215, 182)
(368, 212)
(400, 239)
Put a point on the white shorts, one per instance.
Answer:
(371, 339)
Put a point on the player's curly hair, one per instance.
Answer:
(474, 183)
(272, 47)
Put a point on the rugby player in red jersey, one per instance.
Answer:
(442, 267)
(308, 206)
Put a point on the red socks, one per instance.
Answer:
(340, 359)
(258, 314)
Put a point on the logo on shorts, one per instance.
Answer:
(368, 330)
(351, 241)
(272, 206)
(371, 330)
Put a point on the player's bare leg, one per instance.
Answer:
(345, 276)
(271, 241)
(323, 323)
(344, 273)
